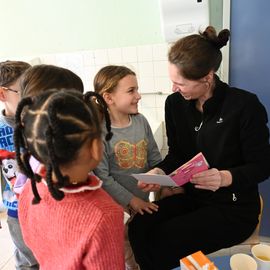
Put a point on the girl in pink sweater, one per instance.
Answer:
(71, 223)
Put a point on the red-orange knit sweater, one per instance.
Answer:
(83, 231)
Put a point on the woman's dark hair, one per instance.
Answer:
(42, 77)
(196, 55)
(53, 127)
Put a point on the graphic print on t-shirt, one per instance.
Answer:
(130, 155)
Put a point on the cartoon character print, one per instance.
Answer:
(130, 155)
(9, 170)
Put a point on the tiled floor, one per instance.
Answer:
(6, 246)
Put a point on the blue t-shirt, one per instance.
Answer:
(9, 168)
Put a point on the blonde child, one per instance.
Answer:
(132, 148)
(74, 224)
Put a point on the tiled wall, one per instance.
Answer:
(148, 61)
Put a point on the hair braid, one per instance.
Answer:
(56, 193)
(62, 180)
(88, 97)
(18, 135)
(19, 142)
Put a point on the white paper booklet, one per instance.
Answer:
(180, 176)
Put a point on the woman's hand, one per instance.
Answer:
(139, 206)
(212, 179)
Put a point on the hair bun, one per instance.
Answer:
(223, 37)
(219, 40)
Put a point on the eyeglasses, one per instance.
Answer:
(9, 89)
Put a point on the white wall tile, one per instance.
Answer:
(133, 66)
(48, 59)
(160, 68)
(88, 86)
(146, 85)
(101, 57)
(61, 60)
(149, 112)
(75, 60)
(163, 84)
(88, 58)
(98, 67)
(160, 113)
(146, 69)
(115, 56)
(148, 101)
(77, 70)
(145, 53)
(90, 72)
(88, 77)
(160, 52)
(160, 101)
(129, 54)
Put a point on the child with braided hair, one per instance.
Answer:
(35, 81)
(132, 148)
(74, 224)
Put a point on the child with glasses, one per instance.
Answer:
(70, 222)
(10, 73)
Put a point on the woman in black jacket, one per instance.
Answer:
(219, 207)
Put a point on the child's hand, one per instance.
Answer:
(139, 206)
(148, 187)
(156, 171)
(168, 191)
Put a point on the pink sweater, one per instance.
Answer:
(83, 231)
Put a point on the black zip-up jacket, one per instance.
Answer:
(232, 134)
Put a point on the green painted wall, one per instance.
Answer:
(216, 13)
(33, 27)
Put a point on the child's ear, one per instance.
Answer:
(108, 98)
(96, 149)
(2, 94)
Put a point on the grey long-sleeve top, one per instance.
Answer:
(132, 149)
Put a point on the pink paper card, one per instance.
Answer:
(193, 166)
(179, 177)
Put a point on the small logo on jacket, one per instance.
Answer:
(220, 120)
